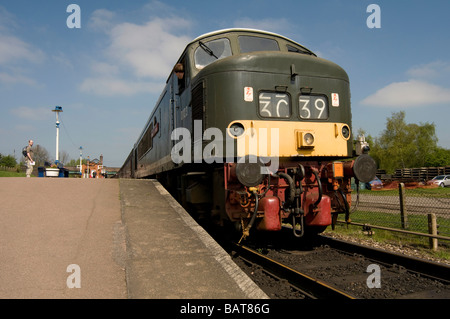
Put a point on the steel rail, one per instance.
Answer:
(428, 268)
(314, 288)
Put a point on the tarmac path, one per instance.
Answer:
(61, 238)
(71, 238)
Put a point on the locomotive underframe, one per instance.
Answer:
(306, 196)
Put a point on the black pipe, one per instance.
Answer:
(252, 220)
(268, 186)
(347, 206)
(290, 181)
(246, 231)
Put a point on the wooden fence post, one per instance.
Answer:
(432, 230)
(403, 212)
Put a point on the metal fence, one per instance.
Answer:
(416, 210)
(8, 169)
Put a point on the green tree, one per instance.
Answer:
(440, 157)
(75, 162)
(403, 145)
(8, 161)
(41, 155)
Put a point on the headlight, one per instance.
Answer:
(308, 138)
(249, 174)
(345, 132)
(305, 140)
(236, 129)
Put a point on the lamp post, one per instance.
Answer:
(57, 110)
(81, 165)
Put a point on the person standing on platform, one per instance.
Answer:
(29, 158)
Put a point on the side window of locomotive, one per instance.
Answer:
(313, 107)
(211, 51)
(251, 44)
(274, 105)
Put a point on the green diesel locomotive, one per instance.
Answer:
(254, 129)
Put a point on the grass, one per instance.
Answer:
(418, 243)
(11, 174)
(439, 192)
(417, 223)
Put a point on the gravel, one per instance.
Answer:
(346, 272)
(396, 248)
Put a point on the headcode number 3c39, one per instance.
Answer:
(313, 107)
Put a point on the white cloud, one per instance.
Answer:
(24, 127)
(110, 86)
(408, 94)
(137, 56)
(101, 20)
(427, 85)
(268, 24)
(32, 113)
(14, 53)
(150, 49)
(105, 68)
(16, 78)
(12, 49)
(431, 70)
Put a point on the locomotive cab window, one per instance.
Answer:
(180, 72)
(274, 105)
(291, 48)
(251, 44)
(210, 51)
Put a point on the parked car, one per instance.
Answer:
(374, 184)
(440, 180)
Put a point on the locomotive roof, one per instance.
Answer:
(244, 30)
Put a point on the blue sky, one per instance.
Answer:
(108, 74)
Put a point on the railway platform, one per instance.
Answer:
(171, 256)
(64, 238)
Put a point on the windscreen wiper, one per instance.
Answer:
(207, 49)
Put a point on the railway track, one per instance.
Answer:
(299, 284)
(333, 269)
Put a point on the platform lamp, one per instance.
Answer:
(81, 165)
(57, 110)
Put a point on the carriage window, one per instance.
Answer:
(210, 51)
(250, 44)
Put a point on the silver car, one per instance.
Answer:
(441, 180)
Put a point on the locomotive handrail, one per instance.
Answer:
(319, 185)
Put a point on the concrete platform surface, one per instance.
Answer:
(108, 238)
(50, 225)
